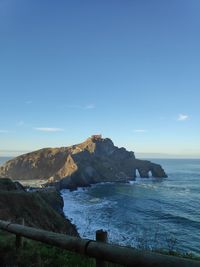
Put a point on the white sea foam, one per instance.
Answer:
(132, 212)
(86, 212)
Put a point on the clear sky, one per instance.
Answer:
(129, 70)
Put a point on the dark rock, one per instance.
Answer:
(7, 184)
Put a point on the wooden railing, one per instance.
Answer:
(99, 250)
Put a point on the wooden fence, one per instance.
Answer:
(97, 249)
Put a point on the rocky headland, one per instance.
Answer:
(40, 209)
(95, 160)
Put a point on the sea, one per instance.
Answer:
(146, 213)
(4, 159)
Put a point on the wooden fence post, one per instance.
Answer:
(101, 236)
(19, 238)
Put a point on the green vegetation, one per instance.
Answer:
(36, 254)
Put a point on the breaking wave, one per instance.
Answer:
(144, 212)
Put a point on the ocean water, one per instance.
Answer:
(146, 213)
(4, 159)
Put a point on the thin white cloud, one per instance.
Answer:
(140, 131)
(91, 106)
(48, 129)
(182, 117)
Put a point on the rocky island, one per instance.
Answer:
(95, 160)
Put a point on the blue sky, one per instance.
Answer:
(127, 69)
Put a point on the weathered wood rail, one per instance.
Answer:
(98, 250)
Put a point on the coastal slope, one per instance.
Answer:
(40, 209)
(95, 160)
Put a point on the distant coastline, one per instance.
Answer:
(166, 156)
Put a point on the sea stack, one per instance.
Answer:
(95, 160)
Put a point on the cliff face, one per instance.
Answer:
(7, 185)
(95, 160)
(40, 209)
